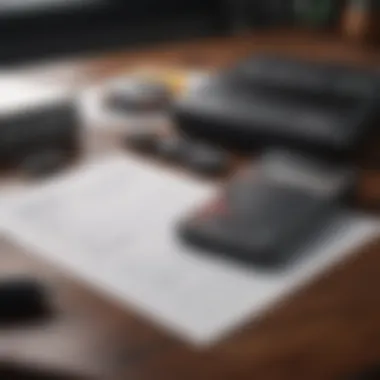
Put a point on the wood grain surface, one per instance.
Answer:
(327, 330)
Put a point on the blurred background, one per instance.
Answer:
(46, 29)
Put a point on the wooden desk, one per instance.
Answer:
(326, 330)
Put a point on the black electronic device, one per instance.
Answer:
(173, 148)
(281, 102)
(144, 141)
(138, 95)
(44, 163)
(268, 211)
(206, 159)
(199, 157)
(22, 300)
(38, 123)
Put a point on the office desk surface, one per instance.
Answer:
(326, 330)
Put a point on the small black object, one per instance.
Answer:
(44, 163)
(200, 157)
(172, 148)
(22, 300)
(139, 95)
(143, 141)
(269, 211)
(206, 159)
(44, 127)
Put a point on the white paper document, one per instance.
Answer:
(113, 225)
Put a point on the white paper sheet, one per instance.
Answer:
(113, 225)
(18, 94)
